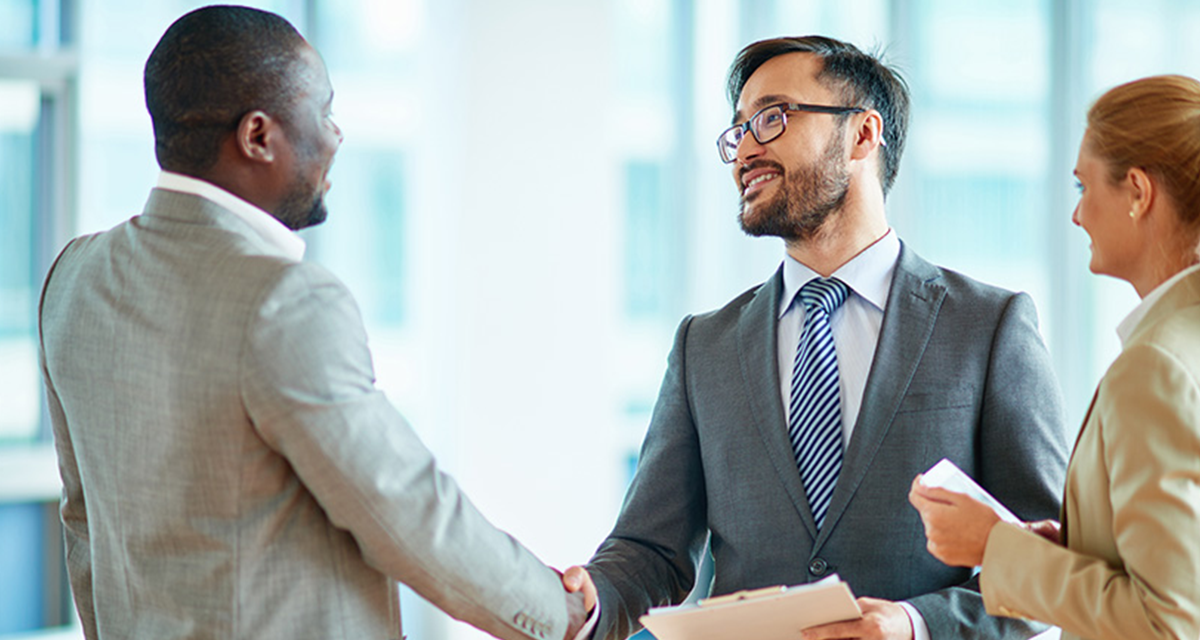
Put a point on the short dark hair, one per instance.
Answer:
(213, 66)
(863, 80)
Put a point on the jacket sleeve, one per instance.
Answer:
(308, 385)
(73, 506)
(1146, 412)
(650, 558)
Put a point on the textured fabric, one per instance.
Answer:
(1130, 567)
(960, 373)
(284, 241)
(229, 468)
(814, 416)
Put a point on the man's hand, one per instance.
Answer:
(956, 525)
(882, 620)
(577, 615)
(577, 579)
(581, 599)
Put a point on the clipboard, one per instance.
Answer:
(774, 613)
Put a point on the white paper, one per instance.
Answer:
(778, 616)
(947, 475)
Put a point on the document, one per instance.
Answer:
(774, 613)
(947, 475)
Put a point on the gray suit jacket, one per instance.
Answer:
(960, 372)
(230, 469)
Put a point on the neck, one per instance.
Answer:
(240, 185)
(859, 224)
(1168, 248)
(1160, 271)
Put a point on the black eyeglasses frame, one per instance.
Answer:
(786, 106)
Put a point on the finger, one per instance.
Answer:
(573, 579)
(943, 496)
(837, 630)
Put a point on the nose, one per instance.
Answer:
(748, 149)
(1075, 217)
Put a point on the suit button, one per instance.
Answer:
(817, 566)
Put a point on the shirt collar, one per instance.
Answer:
(1135, 317)
(868, 274)
(265, 224)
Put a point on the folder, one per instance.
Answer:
(774, 613)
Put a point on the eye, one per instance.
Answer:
(1079, 187)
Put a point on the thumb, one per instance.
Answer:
(573, 579)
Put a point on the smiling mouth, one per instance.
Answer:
(757, 184)
(760, 179)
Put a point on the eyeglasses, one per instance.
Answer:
(769, 123)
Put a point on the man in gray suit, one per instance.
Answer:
(229, 468)
(786, 435)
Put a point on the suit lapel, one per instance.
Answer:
(912, 309)
(758, 356)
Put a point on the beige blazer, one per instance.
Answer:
(1130, 569)
(230, 469)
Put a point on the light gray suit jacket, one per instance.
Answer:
(960, 372)
(230, 469)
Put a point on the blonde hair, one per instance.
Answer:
(1153, 123)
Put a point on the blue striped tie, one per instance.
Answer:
(815, 414)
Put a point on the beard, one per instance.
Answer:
(303, 207)
(304, 204)
(807, 198)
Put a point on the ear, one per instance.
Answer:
(1142, 192)
(868, 136)
(255, 137)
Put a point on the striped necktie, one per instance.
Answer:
(815, 414)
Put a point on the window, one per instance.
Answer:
(529, 200)
(20, 125)
(37, 79)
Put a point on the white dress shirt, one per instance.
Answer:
(1125, 329)
(265, 224)
(855, 326)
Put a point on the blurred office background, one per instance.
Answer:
(529, 200)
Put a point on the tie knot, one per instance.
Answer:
(826, 294)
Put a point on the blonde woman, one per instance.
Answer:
(1126, 563)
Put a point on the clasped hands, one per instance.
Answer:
(957, 526)
(581, 599)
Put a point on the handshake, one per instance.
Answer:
(581, 602)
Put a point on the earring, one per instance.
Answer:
(1132, 213)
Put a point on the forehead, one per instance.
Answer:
(311, 76)
(1087, 160)
(791, 77)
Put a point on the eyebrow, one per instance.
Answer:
(763, 102)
